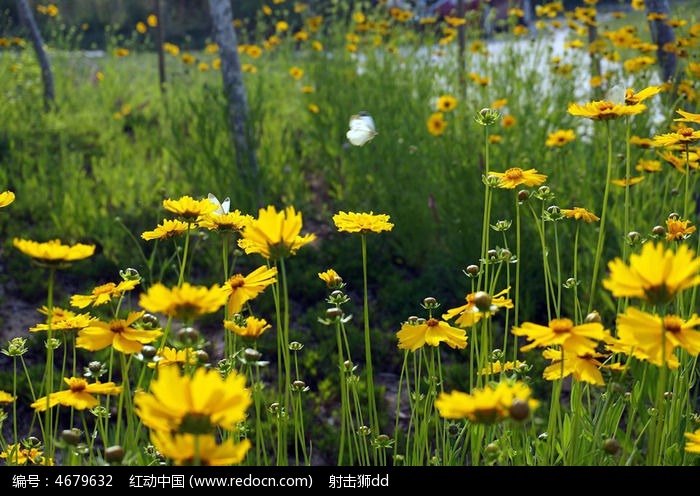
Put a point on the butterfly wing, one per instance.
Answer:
(222, 208)
(361, 130)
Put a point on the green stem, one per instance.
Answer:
(603, 217)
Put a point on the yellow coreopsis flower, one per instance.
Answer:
(141, 27)
(230, 221)
(479, 304)
(63, 320)
(6, 197)
(79, 395)
(583, 367)
(604, 110)
(193, 404)
(516, 176)
(560, 137)
(688, 117)
(331, 278)
(251, 328)
(152, 20)
(170, 356)
(627, 181)
(296, 73)
(414, 335)
(166, 229)
(188, 208)
(184, 449)
(353, 222)
(654, 275)
(581, 339)
(171, 49)
(6, 398)
(692, 445)
(446, 103)
(648, 166)
(185, 302)
(657, 337)
(497, 367)
(488, 404)
(632, 98)
(642, 142)
(677, 229)
(436, 123)
(54, 252)
(580, 214)
(274, 234)
(16, 454)
(241, 289)
(683, 136)
(103, 294)
(118, 333)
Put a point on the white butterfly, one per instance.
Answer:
(616, 94)
(362, 129)
(222, 206)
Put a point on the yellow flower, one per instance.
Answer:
(637, 64)
(581, 339)
(317, 45)
(414, 335)
(331, 278)
(170, 356)
(313, 108)
(641, 142)
(119, 334)
(185, 302)
(6, 197)
(604, 110)
(446, 103)
(693, 443)
(684, 136)
(657, 337)
(455, 21)
(688, 117)
(580, 214)
(499, 103)
(497, 367)
(183, 449)
(648, 165)
(654, 275)
(193, 404)
(103, 294)
(79, 394)
(54, 252)
(516, 176)
(63, 320)
(171, 49)
(254, 51)
(478, 305)
(141, 27)
(166, 229)
(677, 229)
(627, 181)
(189, 208)
(241, 289)
(275, 234)
(152, 20)
(584, 367)
(16, 454)
(187, 58)
(508, 121)
(436, 123)
(353, 222)
(121, 52)
(296, 73)
(638, 4)
(6, 398)
(560, 137)
(251, 327)
(495, 138)
(230, 221)
(211, 48)
(632, 98)
(203, 66)
(249, 68)
(488, 404)
(281, 26)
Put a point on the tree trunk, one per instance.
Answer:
(160, 39)
(25, 14)
(661, 34)
(225, 37)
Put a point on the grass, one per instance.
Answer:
(97, 167)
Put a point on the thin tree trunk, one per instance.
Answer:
(238, 114)
(661, 34)
(160, 39)
(25, 14)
